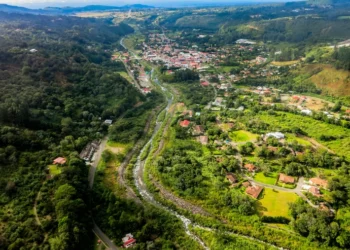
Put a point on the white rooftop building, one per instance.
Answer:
(277, 135)
(306, 112)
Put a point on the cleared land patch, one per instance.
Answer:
(242, 136)
(54, 170)
(275, 202)
(269, 179)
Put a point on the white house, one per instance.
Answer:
(306, 112)
(277, 135)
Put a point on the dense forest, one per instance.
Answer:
(57, 85)
(292, 22)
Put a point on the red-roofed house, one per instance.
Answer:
(59, 160)
(254, 191)
(250, 167)
(128, 241)
(198, 130)
(185, 123)
(146, 90)
(315, 191)
(205, 84)
(286, 179)
(319, 182)
(231, 178)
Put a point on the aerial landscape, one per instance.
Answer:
(193, 125)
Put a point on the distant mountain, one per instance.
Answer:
(69, 10)
(17, 9)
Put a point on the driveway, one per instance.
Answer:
(94, 165)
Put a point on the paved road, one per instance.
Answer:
(94, 165)
(109, 243)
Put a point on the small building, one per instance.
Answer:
(203, 139)
(189, 113)
(254, 191)
(306, 112)
(146, 90)
(277, 135)
(231, 178)
(205, 83)
(319, 182)
(314, 191)
(87, 153)
(286, 179)
(128, 241)
(246, 184)
(33, 50)
(198, 130)
(185, 123)
(59, 161)
(108, 122)
(250, 167)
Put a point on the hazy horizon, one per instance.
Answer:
(157, 3)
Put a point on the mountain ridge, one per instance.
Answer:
(69, 10)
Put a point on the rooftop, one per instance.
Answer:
(286, 179)
(254, 191)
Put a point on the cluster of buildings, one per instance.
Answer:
(179, 58)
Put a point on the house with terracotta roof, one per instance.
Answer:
(319, 182)
(198, 130)
(59, 161)
(205, 83)
(185, 123)
(246, 184)
(254, 191)
(203, 139)
(315, 191)
(188, 112)
(231, 178)
(250, 167)
(286, 179)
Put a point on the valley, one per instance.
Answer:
(188, 128)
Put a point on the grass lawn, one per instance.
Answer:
(271, 179)
(275, 203)
(324, 172)
(287, 63)
(125, 75)
(242, 136)
(54, 170)
(292, 137)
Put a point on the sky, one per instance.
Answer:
(174, 3)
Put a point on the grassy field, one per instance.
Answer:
(287, 63)
(54, 170)
(271, 179)
(275, 203)
(291, 138)
(125, 75)
(328, 78)
(313, 128)
(324, 172)
(242, 136)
